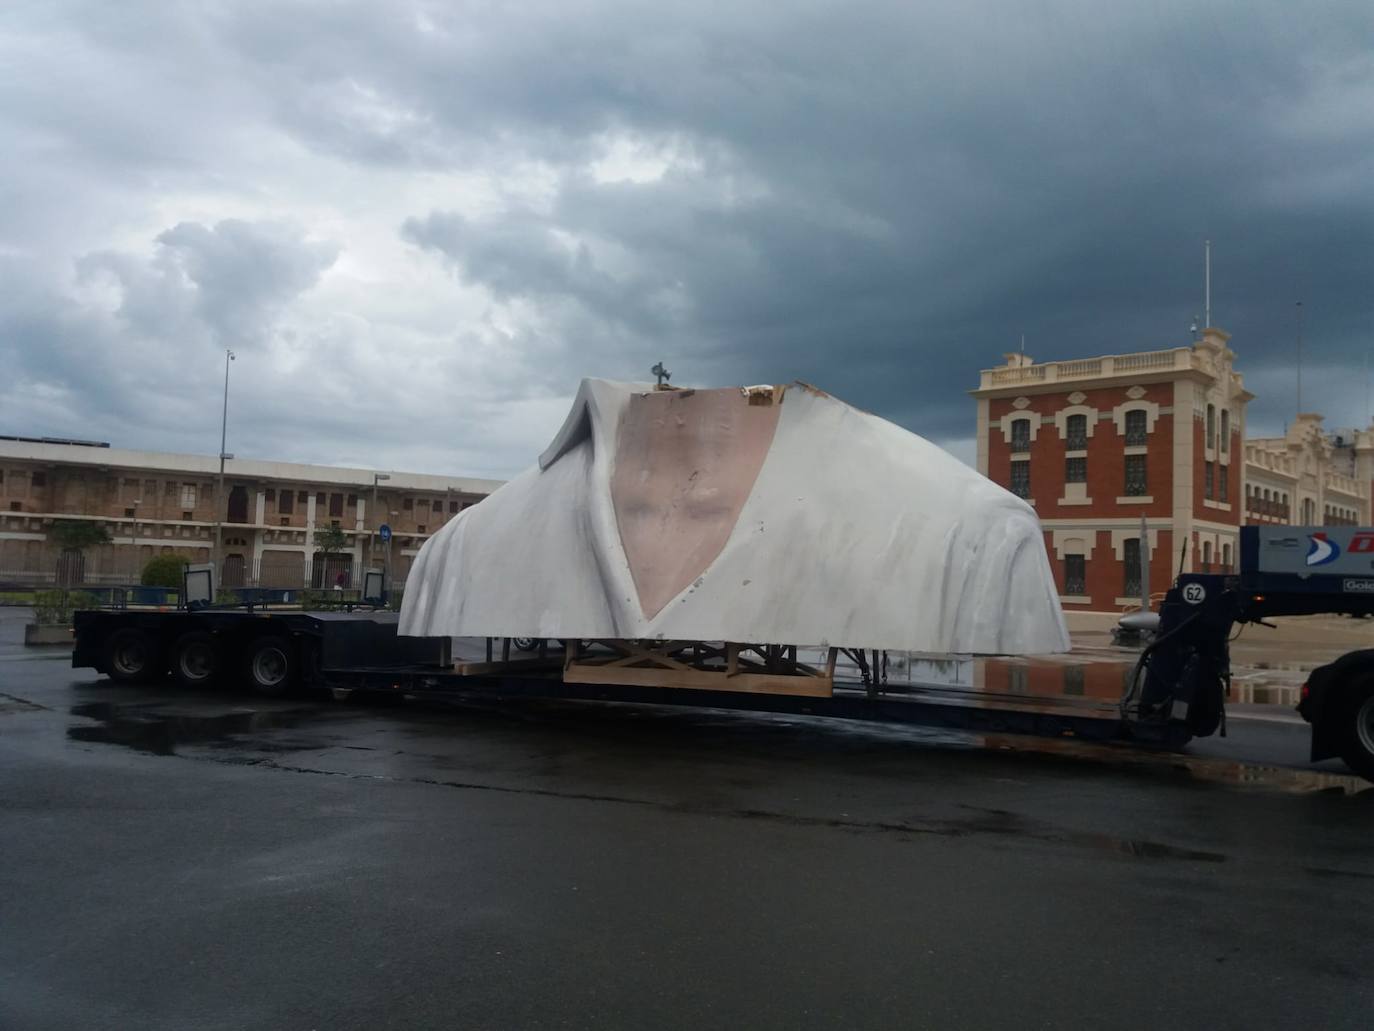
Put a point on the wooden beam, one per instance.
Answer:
(700, 680)
(478, 669)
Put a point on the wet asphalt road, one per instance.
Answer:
(219, 862)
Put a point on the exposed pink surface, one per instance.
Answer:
(685, 463)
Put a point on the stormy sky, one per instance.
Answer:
(419, 224)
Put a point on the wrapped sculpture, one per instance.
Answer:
(763, 514)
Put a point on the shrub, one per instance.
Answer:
(57, 606)
(327, 599)
(163, 571)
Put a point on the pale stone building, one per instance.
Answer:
(266, 520)
(1309, 477)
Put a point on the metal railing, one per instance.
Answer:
(125, 573)
(1089, 368)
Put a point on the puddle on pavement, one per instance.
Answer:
(1002, 822)
(159, 730)
(1210, 769)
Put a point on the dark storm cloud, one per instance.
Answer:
(136, 358)
(877, 198)
(928, 186)
(245, 273)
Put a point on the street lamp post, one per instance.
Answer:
(371, 537)
(222, 502)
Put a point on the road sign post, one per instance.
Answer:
(384, 535)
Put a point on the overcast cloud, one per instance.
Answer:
(419, 224)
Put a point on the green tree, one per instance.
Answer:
(78, 534)
(163, 571)
(330, 541)
(74, 536)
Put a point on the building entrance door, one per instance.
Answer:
(233, 571)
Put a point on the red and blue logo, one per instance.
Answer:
(1322, 550)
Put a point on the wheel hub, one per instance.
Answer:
(1364, 725)
(269, 666)
(129, 658)
(197, 662)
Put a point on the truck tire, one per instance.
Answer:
(131, 656)
(195, 659)
(1358, 747)
(526, 644)
(271, 666)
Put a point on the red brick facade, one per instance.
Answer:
(1143, 453)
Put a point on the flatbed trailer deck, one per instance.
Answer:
(931, 705)
(272, 651)
(1178, 690)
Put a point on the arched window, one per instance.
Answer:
(1135, 427)
(1225, 431)
(1211, 426)
(1020, 434)
(1076, 432)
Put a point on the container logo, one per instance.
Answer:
(1322, 550)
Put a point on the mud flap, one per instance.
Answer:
(1199, 697)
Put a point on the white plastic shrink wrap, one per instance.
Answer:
(765, 515)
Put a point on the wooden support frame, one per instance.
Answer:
(505, 664)
(702, 666)
(694, 665)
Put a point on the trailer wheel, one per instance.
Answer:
(271, 665)
(1358, 749)
(526, 644)
(131, 656)
(195, 659)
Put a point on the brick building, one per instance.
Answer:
(1095, 444)
(267, 517)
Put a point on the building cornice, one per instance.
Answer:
(1199, 364)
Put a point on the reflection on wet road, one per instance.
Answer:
(179, 860)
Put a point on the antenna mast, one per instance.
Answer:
(1299, 412)
(1207, 284)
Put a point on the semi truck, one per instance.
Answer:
(1177, 690)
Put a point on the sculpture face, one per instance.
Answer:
(685, 463)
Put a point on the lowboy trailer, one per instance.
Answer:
(1178, 691)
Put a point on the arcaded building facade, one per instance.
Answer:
(261, 530)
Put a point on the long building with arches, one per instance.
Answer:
(262, 530)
